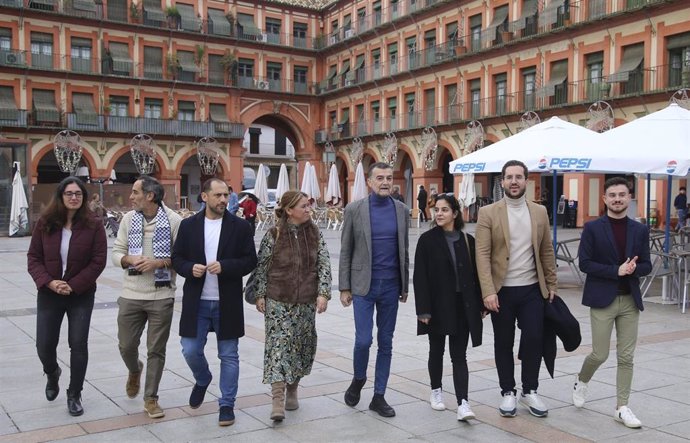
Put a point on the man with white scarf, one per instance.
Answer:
(143, 249)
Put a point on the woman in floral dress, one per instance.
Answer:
(293, 283)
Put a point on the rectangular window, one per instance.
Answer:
(153, 108)
(80, 54)
(430, 47)
(429, 107)
(185, 110)
(118, 56)
(393, 58)
(529, 78)
(361, 120)
(453, 103)
(678, 47)
(153, 62)
(362, 20)
(119, 105)
(395, 9)
(412, 56)
(5, 42)
(299, 34)
(245, 72)
(501, 88)
(376, 116)
(392, 114)
(274, 72)
(41, 50)
(273, 30)
(476, 32)
(475, 96)
(300, 76)
(216, 71)
(377, 12)
(335, 33)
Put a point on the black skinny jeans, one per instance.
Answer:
(51, 310)
(458, 356)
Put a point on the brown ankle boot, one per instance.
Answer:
(291, 401)
(278, 392)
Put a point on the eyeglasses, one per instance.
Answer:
(73, 194)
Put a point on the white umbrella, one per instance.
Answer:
(315, 183)
(468, 194)
(261, 185)
(283, 182)
(306, 181)
(531, 146)
(360, 188)
(333, 194)
(654, 144)
(19, 218)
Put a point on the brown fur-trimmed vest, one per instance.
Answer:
(293, 273)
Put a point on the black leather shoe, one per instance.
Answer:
(52, 386)
(378, 404)
(354, 392)
(74, 404)
(196, 398)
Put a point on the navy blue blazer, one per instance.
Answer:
(598, 258)
(237, 258)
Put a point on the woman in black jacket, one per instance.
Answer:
(448, 299)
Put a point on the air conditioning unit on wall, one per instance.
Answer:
(262, 37)
(13, 58)
(349, 33)
(262, 84)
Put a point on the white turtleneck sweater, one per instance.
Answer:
(521, 268)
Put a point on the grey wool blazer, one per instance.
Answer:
(355, 248)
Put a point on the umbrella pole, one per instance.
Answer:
(649, 199)
(667, 231)
(554, 210)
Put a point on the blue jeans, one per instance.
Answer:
(384, 295)
(208, 318)
(682, 213)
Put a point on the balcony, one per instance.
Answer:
(13, 118)
(85, 122)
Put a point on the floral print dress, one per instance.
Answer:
(290, 344)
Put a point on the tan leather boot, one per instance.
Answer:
(278, 392)
(291, 401)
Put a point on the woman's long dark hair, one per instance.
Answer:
(55, 214)
(455, 207)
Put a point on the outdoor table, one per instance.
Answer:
(563, 253)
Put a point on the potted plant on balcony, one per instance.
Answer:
(173, 65)
(229, 63)
(199, 61)
(230, 16)
(460, 48)
(106, 108)
(173, 17)
(506, 35)
(134, 13)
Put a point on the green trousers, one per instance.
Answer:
(624, 314)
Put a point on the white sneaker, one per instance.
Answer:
(464, 411)
(436, 400)
(625, 415)
(535, 405)
(579, 392)
(508, 406)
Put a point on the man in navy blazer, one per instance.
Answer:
(614, 253)
(213, 251)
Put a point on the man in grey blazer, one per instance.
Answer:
(374, 275)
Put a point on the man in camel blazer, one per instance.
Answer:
(517, 271)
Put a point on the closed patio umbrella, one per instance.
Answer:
(283, 182)
(306, 181)
(19, 219)
(333, 194)
(360, 188)
(261, 185)
(315, 183)
(467, 192)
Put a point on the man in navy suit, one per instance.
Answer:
(614, 253)
(213, 251)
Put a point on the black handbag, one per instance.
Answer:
(250, 289)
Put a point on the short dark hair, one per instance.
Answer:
(208, 183)
(510, 163)
(380, 165)
(615, 181)
(448, 197)
(682, 188)
(150, 184)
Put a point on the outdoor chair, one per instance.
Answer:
(414, 216)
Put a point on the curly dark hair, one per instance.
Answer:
(55, 214)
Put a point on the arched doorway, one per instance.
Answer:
(448, 181)
(126, 171)
(341, 166)
(191, 181)
(405, 165)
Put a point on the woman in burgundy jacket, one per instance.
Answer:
(67, 254)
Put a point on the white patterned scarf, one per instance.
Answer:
(162, 242)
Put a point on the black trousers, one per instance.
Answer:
(52, 308)
(422, 214)
(526, 304)
(457, 344)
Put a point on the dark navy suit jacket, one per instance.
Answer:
(598, 258)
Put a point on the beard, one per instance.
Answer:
(218, 209)
(617, 211)
(507, 193)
